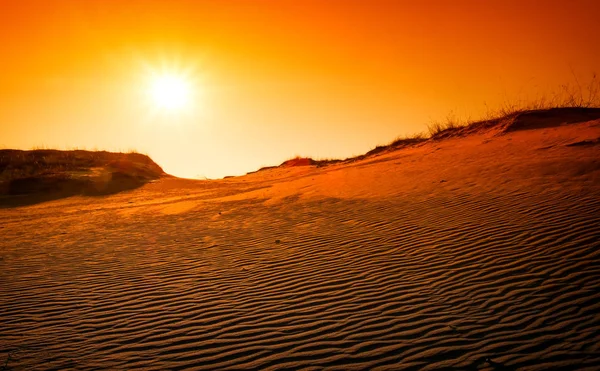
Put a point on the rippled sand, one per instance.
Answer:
(469, 253)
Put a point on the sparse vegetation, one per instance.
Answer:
(452, 122)
(572, 96)
(576, 101)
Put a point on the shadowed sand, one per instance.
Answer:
(31, 177)
(469, 252)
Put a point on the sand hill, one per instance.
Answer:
(478, 249)
(41, 175)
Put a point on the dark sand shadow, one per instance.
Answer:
(31, 191)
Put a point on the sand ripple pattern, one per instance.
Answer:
(389, 284)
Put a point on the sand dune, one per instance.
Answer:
(30, 177)
(474, 252)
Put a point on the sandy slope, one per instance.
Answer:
(432, 257)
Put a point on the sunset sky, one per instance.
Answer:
(269, 80)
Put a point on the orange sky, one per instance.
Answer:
(275, 79)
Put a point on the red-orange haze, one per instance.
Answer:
(274, 79)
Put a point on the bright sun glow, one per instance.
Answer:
(170, 92)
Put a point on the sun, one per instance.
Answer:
(170, 91)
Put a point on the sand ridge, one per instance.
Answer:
(479, 252)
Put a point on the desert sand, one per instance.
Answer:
(479, 251)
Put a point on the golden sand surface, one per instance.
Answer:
(480, 252)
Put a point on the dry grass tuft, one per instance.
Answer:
(569, 97)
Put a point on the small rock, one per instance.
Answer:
(278, 241)
(443, 181)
